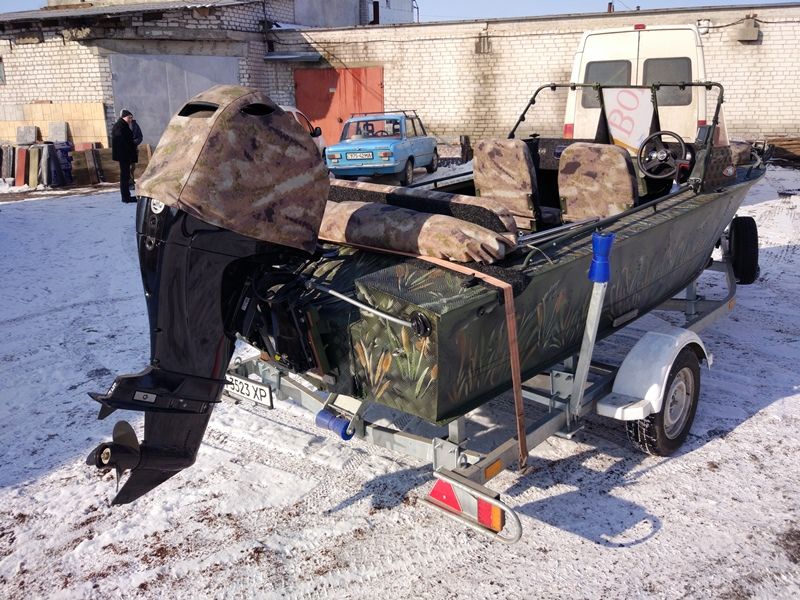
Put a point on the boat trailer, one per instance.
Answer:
(577, 387)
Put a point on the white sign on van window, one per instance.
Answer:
(629, 113)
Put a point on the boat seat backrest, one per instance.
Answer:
(721, 170)
(505, 174)
(596, 180)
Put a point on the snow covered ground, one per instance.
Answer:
(275, 507)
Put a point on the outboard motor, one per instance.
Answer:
(235, 186)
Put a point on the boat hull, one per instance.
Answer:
(464, 361)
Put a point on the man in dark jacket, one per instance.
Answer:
(123, 150)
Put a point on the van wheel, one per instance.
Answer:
(664, 432)
(407, 175)
(744, 249)
(431, 168)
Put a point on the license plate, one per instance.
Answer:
(358, 155)
(247, 389)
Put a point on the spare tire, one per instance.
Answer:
(744, 249)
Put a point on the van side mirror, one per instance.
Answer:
(317, 132)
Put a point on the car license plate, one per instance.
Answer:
(247, 389)
(358, 155)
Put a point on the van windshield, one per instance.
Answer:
(357, 130)
(673, 70)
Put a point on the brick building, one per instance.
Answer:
(471, 77)
(83, 63)
(475, 77)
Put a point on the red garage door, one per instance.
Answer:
(330, 96)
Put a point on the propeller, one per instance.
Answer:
(170, 445)
(121, 454)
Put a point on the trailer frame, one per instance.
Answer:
(576, 387)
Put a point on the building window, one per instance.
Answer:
(2, 72)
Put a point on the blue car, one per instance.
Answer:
(392, 143)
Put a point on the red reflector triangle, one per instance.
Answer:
(485, 513)
(444, 494)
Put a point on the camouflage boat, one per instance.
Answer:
(392, 295)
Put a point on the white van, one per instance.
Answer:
(638, 55)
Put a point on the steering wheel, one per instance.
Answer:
(656, 160)
(381, 133)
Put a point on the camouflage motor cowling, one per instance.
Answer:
(232, 158)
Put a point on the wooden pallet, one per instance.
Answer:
(786, 148)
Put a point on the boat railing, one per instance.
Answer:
(552, 238)
(446, 179)
(598, 87)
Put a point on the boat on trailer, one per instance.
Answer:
(427, 301)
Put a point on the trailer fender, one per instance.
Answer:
(642, 377)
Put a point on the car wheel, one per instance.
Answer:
(664, 432)
(744, 249)
(431, 168)
(407, 175)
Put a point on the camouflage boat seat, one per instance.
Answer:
(596, 180)
(404, 230)
(504, 174)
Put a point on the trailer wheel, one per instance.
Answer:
(664, 432)
(744, 249)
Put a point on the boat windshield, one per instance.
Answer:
(374, 128)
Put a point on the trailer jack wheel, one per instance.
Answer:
(663, 433)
